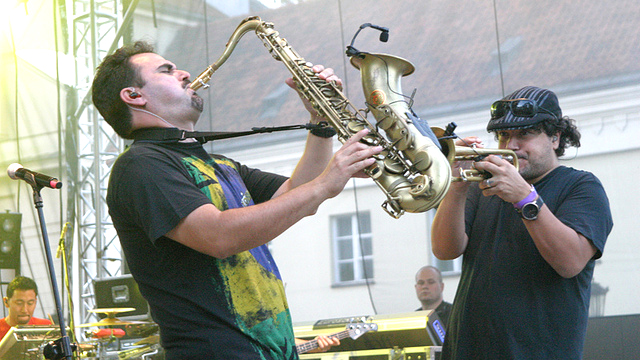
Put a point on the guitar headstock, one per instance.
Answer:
(356, 330)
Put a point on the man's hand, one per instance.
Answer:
(323, 73)
(506, 182)
(353, 157)
(325, 343)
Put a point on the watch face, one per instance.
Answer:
(530, 211)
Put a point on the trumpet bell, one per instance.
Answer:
(465, 153)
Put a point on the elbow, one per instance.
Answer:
(568, 272)
(445, 253)
(447, 248)
(569, 269)
(220, 252)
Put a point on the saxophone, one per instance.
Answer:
(411, 170)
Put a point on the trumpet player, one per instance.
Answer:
(193, 226)
(529, 239)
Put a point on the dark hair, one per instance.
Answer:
(569, 134)
(114, 74)
(21, 283)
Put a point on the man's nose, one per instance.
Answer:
(182, 74)
(511, 143)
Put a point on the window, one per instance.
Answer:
(447, 267)
(352, 248)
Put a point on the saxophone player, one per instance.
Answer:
(193, 226)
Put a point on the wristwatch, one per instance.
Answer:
(531, 209)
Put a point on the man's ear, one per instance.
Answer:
(132, 97)
(5, 300)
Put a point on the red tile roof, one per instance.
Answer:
(559, 44)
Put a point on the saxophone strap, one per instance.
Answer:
(175, 134)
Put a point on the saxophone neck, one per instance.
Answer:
(252, 23)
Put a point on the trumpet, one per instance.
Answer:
(465, 153)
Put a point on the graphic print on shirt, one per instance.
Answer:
(251, 281)
(220, 181)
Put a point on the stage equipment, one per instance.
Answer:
(61, 348)
(110, 320)
(411, 170)
(10, 241)
(420, 333)
(16, 171)
(120, 292)
(25, 342)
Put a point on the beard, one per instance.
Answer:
(197, 102)
(533, 171)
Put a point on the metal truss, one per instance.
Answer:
(91, 148)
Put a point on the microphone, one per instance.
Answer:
(17, 171)
(384, 37)
(384, 32)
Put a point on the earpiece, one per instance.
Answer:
(133, 94)
(554, 138)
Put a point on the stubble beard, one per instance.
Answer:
(197, 102)
(534, 170)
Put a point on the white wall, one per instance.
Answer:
(609, 121)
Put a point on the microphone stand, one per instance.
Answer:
(61, 348)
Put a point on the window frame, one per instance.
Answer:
(357, 240)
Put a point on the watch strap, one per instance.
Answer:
(537, 203)
(532, 196)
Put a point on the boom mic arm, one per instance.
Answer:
(384, 37)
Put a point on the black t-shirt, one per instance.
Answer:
(207, 308)
(443, 311)
(510, 303)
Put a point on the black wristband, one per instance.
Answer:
(325, 131)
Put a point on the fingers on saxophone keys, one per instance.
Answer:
(357, 136)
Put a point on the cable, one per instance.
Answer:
(363, 260)
(355, 191)
(345, 81)
(495, 16)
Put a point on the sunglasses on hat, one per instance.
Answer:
(518, 107)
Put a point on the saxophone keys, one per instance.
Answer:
(354, 127)
(420, 186)
(393, 166)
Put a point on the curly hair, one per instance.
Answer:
(114, 74)
(569, 134)
(21, 283)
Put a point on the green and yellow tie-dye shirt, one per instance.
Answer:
(207, 308)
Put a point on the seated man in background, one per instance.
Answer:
(21, 300)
